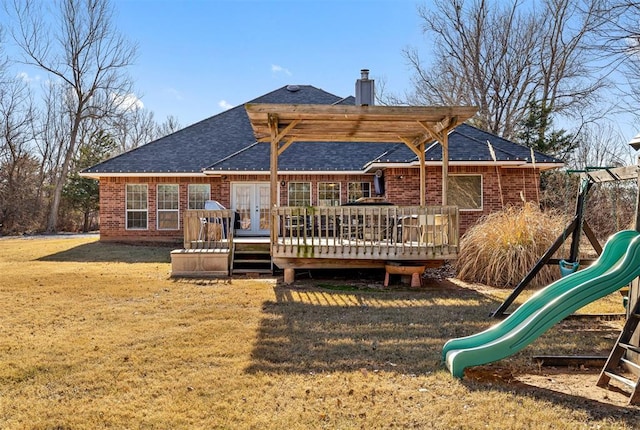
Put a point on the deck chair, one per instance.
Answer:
(435, 229)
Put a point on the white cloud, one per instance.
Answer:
(279, 69)
(225, 104)
(127, 102)
(24, 77)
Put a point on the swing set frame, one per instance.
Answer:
(588, 177)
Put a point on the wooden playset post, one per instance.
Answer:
(634, 291)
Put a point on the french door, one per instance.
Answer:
(251, 202)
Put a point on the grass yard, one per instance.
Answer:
(98, 336)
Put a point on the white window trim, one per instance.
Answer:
(300, 182)
(358, 182)
(158, 210)
(339, 191)
(189, 193)
(126, 210)
(481, 191)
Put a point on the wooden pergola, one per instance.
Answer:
(283, 124)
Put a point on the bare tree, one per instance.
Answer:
(18, 167)
(168, 126)
(132, 128)
(620, 46)
(502, 57)
(602, 145)
(135, 127)
(77, 44)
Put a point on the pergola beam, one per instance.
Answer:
(283, 124)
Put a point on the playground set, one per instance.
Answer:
(617, 265)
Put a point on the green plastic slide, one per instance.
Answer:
(618, 265)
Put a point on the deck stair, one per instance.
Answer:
(251, 257)
(620, 366)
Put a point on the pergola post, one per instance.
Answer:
(445, 167)
(423, 176)
(273, 191)
(440, 133)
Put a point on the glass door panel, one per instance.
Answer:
(251, 202)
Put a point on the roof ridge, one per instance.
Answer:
(271, 92)
(284, 87)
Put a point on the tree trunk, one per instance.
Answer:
(52, 220)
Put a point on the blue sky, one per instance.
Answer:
(198, 57)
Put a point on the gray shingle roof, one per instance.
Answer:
(468, 143)
(208, 141)
(225, 142)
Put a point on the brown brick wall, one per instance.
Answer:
(402, 188)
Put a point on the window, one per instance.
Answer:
(168, 213)
(136, 205)
(329, 194)
(358, 190)
(198, 194)
(299, 193)
(465, 191)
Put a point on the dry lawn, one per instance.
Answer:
(98, 336)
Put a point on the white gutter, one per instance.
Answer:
(283, 172)
(504, 164)
(369, 170)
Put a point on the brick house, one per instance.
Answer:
(146, 193)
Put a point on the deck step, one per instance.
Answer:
(252, 257)
(251, 261)
(257, 271)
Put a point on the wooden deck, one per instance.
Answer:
(366, 231)
(339, 237)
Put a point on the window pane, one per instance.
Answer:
(167, 220)
(198, 194)
(299, 194)
(136, 220)
(168, 196)
(329, 194)
(136, 196)
(358, 190)
(465, 191)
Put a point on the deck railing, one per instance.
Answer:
(366, 232)
(340, 232)
(208, 229)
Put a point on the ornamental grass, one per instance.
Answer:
(504, 246)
